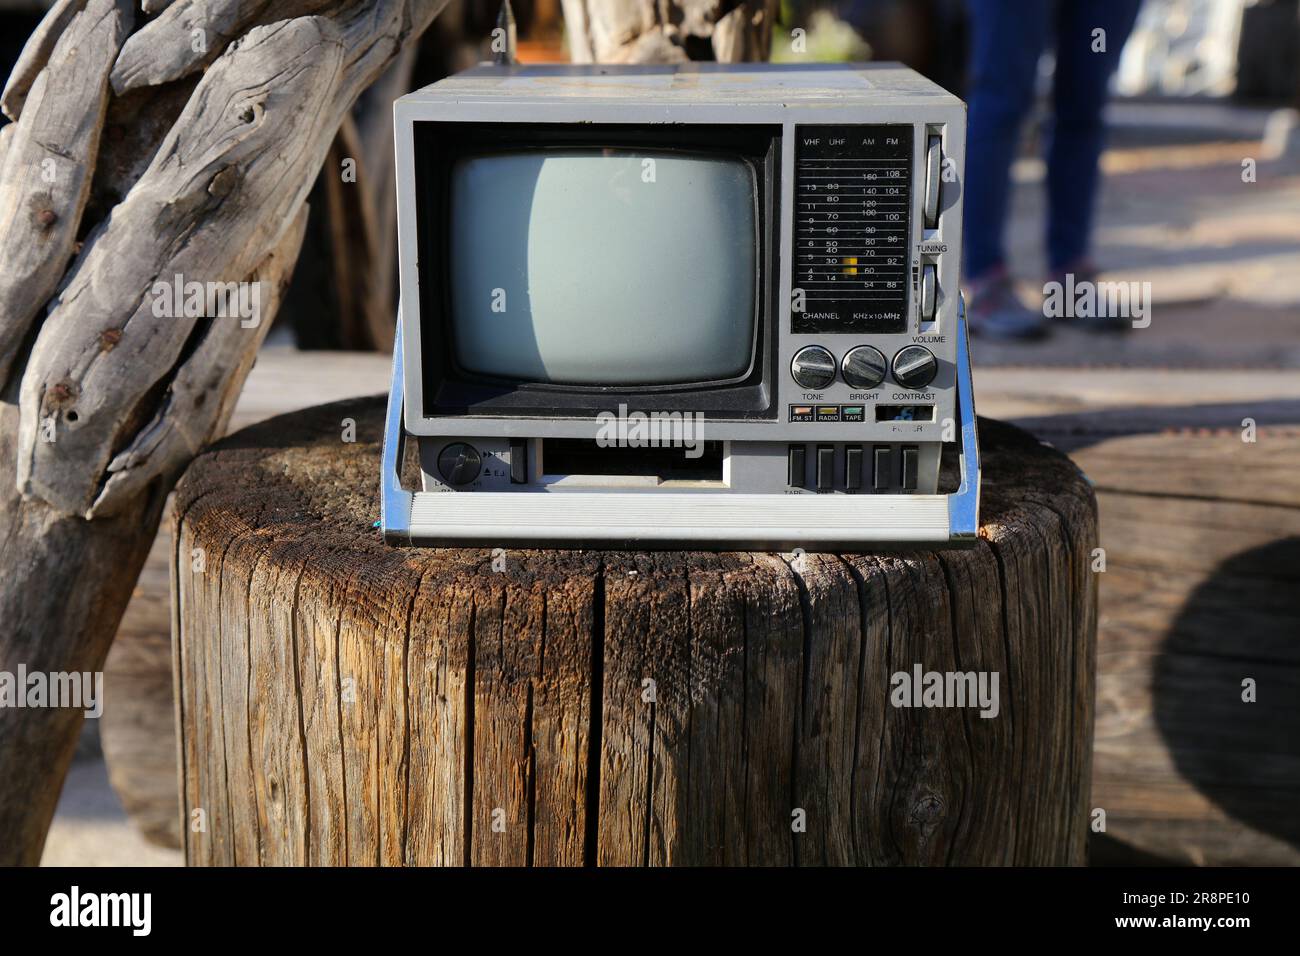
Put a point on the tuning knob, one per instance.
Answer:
(459, 463)
(915, 367)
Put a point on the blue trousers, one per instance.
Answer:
(1007, 38)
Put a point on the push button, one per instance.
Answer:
(796, 467)
(518, 461)
(881, 468)
(853, 468)
(911, 459)
(825, 467)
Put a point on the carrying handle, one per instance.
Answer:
(964, 503)
(394, 500)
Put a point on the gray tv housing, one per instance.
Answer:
(756, 500)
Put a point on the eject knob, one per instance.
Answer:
(813, 367)
(915, 367)
(459, 463)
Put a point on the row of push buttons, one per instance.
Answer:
(828, 413)
(855, 476)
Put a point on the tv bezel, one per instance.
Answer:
(450, 391)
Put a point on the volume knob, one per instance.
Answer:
(459, 463)
(915, 367)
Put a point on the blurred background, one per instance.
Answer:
(1189, 428)
(1200, 86)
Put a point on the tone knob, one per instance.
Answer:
(864, 367)
(915, 367)
(813, 367)
(459, 463)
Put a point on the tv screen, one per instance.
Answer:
(599, 267)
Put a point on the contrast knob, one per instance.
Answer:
(813, 367)
(864, 367)
(915, 367)
(459, 463)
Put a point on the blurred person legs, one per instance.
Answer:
(1085, 61)
(1007, 37)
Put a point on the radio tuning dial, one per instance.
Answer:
(864, 367)
(813, 367)
(915, 367)
(459, 463)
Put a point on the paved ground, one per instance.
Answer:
(1222, 255)
(1223, 258)
(90, 828)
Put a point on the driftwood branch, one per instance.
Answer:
(36, 53)
(109, 389)
(191, 33)
(221, 190)
(49, 161)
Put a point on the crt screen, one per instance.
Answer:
(601, 267)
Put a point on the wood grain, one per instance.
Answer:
(342, 701)
(1201, 532)
(1192, 538)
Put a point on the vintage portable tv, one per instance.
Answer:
(697, 306)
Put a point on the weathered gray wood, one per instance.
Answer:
(87, 570)
(60, 601)
(48, 164)
(291, 80)
(343, 701)
(647, 31)
(115, 397)
(191, 33)
(36, 53)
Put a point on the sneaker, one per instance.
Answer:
(1084, 270)
(994, 311)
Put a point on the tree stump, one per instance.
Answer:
(346, 702)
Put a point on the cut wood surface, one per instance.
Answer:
(138, 728)
(1153, 440)
(342, 701)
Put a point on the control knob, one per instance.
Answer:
(813, 367)
(864, 367)
(915, 367)
(459, 463)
